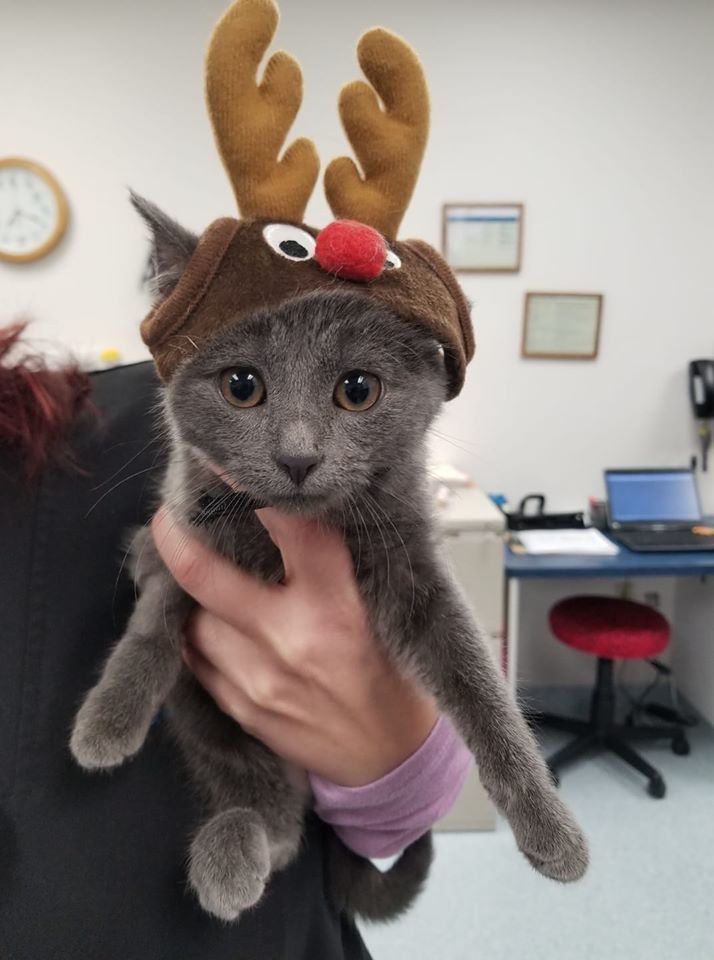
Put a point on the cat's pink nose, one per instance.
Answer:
(351, 250)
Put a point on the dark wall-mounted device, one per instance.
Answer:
(701, 392)
(701, 388)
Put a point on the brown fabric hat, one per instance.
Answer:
(235, 272)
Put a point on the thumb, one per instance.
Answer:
(311, 551)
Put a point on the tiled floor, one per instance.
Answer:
(649, 893)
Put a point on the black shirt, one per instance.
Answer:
(93, 866)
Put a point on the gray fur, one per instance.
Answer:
(171, 246)
(358, 887)
(370, 483)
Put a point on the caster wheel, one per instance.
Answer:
(680, 746)
(657, 788)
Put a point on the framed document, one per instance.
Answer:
(561, 326)
(482, 237)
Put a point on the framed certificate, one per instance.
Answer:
(482, 237)
(561, 326)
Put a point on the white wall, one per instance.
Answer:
(595, 114)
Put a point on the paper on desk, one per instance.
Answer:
(588, 542)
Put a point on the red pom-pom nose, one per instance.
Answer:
(351, 250)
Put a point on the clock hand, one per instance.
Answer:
(24, 215)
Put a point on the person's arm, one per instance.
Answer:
(383, 817)
(297, 666)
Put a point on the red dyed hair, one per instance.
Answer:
(38, 405)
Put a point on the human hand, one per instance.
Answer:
(296, 663)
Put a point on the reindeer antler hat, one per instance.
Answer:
(269, 256)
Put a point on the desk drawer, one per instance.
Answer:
(476, 560)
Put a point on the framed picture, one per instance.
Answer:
(561, 326)
(482, 237)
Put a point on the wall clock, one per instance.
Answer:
(33, 210)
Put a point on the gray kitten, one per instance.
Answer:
(336, 430)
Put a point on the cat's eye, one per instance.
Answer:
(242, 387)
(392, 261)
(357, 390)
(290, 242)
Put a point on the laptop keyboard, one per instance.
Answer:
(670, 539)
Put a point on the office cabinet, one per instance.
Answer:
(472, 531)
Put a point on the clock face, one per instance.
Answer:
(32, 211)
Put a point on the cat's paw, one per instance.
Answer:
(230, 863)
(551, 840)
(103, 738)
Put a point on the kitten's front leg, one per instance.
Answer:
(453, 660)
(114, 720)
(255, 803)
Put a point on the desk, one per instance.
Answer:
(697, 668)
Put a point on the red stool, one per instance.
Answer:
(610, 629)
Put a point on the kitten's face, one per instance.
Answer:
(306, 405)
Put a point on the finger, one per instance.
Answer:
(273, 729)
(228, 698)
(229, 649)
(252, 667)
(311, 552)
(212, 581)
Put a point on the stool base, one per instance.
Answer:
(601, 732)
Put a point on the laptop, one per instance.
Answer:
(656, 510)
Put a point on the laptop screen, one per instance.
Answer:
(652, 496)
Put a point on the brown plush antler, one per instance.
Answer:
(251, 122)
(389, 143)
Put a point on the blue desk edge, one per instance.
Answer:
(625, 563)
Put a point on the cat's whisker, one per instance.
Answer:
(361, 521)
(117, 580)
(125, 465)
(348, 502)
(413, 506)
(459, 443)
(381, 533)
(180, 546)
(384, 513)
(176, 504)
(131, 476)
(242, 510)
(233, 518)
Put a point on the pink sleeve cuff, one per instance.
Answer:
(381, 818)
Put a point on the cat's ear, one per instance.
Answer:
(171, 248)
